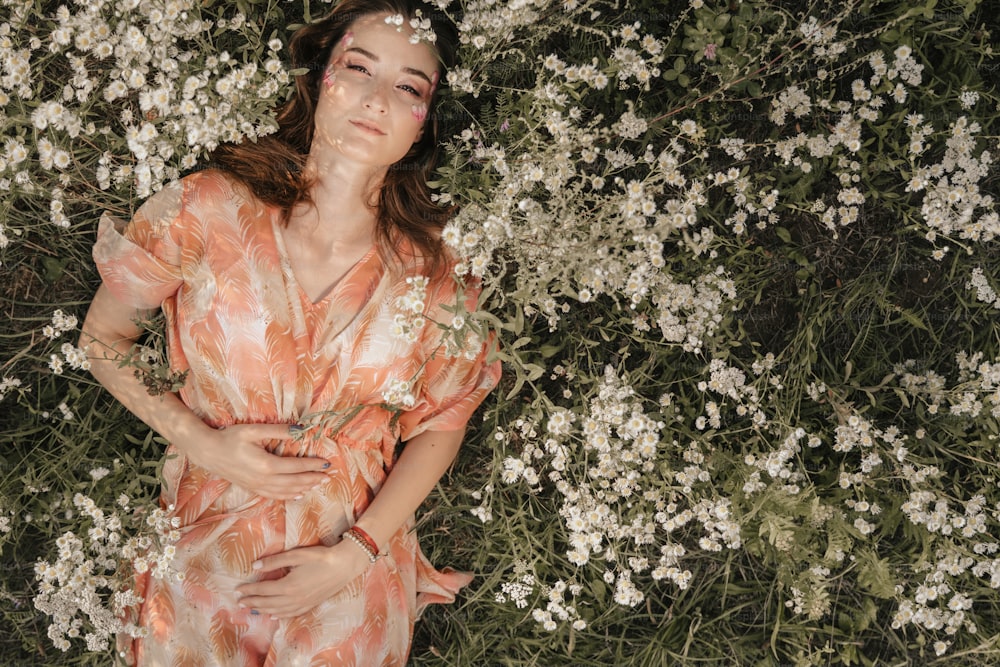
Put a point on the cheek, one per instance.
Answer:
(419, 111)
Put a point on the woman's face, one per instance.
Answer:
(375, 93)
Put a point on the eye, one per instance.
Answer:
(357, 67)
(410, 89)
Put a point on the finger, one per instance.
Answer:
(280, 487)
(274, 607)
(277, 561)
(285, 607)
(279, 606)
(259, 589)
(290, 465)
(270, 431)
(281, 494)
(261, 604)
(296, 489)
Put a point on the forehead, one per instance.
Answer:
(389, 42)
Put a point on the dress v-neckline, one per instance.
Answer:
(289, 271)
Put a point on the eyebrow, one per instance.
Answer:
(371, 56)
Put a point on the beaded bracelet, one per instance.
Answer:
(360, 532)
(353, 536)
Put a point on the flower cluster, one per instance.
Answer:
(409, 320)
(421, 26)
(74, 356)
(520, 588)
(613, 507)
(954, 203)
(536, 217)
(7, 385)
(729, 382)
(558, 609)
(938, 602)
(976, 393)
(139, 80)
(84, 590)
(779, 464)
(984, 291)
(61, 323)
(399, 394)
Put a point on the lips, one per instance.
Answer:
(367, 127)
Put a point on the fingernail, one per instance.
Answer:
(255, 612)
(298, 497)
(296, 428)
(326, 465)
(257, 565)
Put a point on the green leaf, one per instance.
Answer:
(534, 371)
(912, 318)
(521, 342)
(875, 575)
(53, 269)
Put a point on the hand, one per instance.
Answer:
(314, 575)
(238, 454)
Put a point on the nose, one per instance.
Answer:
(377, 100)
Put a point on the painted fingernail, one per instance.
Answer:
(296, 428)
(298, 497)
(255, 612)
(257, 565)
(326, 465)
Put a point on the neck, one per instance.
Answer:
(344, 195)
(355, 184)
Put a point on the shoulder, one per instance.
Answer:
(196, 206)
(215, 187)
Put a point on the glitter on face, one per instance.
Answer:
(419, 111)
(329, 76)
(347, 39)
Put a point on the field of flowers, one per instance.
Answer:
(743, 260)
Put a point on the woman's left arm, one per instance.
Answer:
(317, 573)
(424, 459)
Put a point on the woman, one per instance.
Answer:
(302, 286)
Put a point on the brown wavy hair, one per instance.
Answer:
(273, 167)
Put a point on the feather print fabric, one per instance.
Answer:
(258, 351)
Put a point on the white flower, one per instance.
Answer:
(968, 99)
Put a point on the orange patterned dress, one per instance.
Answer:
(259, 351)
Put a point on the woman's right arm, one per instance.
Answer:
(236, 454)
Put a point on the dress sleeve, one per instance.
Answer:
(453, 386)
(140, 261)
